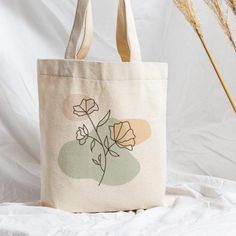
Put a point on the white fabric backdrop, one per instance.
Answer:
(201, 123)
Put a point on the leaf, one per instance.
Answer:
(99, 158)
(95, 162)
(114, 154)
(104, 119)
(106, 142)
(92, 144)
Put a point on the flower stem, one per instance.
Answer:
(104, 151)
(94, 139)
(104, 171)
(110, 147)
(105, 162)
(99, 138)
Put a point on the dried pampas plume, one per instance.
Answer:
(187, 9)
(232, 5)
(217, 8)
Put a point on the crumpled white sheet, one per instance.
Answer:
(203, 206)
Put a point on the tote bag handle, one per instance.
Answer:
(126, 35)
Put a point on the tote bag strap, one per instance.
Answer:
(126, 36)
(83, 18)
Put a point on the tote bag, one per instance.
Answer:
(103, 124)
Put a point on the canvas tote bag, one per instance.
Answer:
(103, 124)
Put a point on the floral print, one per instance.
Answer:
(121, 134)
(86, 107)
(82, 134)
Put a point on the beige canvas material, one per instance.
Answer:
(126, 36)
(122, 104)
(83, 19)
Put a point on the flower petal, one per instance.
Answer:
(130, 148)
(124, 129)
(117, 130)
(82, 133)
(83, 140)
(78, 111)
(123, 135)
(128, 142)
(112, 133)
(128, 135)
(83, 105)
(78, 134)
(91, 106)
(85, 130)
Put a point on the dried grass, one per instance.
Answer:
(232, 5)
(217, 8)
(187, 9)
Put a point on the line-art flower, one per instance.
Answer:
(82, 134)
(86, 107)
(123, 135)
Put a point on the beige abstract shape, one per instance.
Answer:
(141, 129)
(68, 104)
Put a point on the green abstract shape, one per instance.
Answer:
(75, 160)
